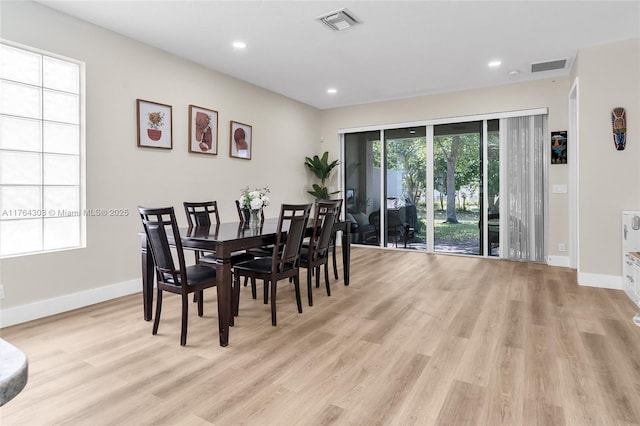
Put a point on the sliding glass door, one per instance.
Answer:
(437, 187)
(405, 154)
(457, 187)
(361, 174)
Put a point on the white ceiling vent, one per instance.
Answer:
(339, 20)
(549, 65)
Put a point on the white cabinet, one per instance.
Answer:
(631, 257)
(631, 276)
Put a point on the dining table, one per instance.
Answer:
(224, 239)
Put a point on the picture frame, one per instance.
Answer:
(203, 130)
(559, 147)
(350, 194)
(155, 128)
(240, 140)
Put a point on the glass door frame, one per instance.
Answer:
(429, 124)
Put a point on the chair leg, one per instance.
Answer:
(273, 302)
(235, 294)
(265, 284)
(253, 288)
(200, 303)
(156, 322)
(335, 263)
(326, 278)
(317, 272)
(246, 279)
(296, 284)
(309, 292)
(185, 315)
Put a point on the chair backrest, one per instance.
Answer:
(339, 201)
(292, 226)
(157, 223)
(199, 214)
(324, 217)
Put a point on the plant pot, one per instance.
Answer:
(154, 134)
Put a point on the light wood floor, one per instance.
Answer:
(416, 339)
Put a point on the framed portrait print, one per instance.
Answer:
(154, 125)
(203, 130)
(240, 140)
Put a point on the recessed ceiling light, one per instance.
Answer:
(494, 64)
(239, 44)
(514, 72)
(332, 91)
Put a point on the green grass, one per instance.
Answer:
(461, 232)
(454, 233)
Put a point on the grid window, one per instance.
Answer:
(40, 152)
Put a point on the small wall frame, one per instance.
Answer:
(559, 147)
(155, 129)
(203, 130)
(240, 140)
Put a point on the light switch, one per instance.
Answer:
(559, 189)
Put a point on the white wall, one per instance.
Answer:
(609, 77)
(121, 175)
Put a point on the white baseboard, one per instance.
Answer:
(558, 261)
(613, 282)
(57, 305)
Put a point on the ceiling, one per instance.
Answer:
(400, 49)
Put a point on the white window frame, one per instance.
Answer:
(81, 241)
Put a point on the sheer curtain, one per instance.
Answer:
(524, 143)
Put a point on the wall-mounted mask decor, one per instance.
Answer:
(619, 122)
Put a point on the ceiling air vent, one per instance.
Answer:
(549, 65)
(339, 20)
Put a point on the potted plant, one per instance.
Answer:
(321, 167)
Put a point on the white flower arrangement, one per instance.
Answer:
(254, 200)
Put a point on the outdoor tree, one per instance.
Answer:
(457, 164)
(408, 156)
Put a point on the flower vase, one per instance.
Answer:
(255, 217)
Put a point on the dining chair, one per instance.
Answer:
(177, 279)
(205, 214)
(332, 242)
(316, 254)
(199, 215)
(282, 264)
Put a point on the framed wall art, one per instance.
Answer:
(154, 125)
(559, 147)
(240, 140)
(203, 130)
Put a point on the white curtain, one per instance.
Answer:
(524, 144)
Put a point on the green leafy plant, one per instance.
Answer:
(360, 204)
(321, 167)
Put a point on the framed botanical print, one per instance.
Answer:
(203, 130)
(154, 125)
(240, 140)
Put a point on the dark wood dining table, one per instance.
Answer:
(224, 239)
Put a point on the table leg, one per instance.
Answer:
(346, 252)
(147, 280)
(225, 317)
